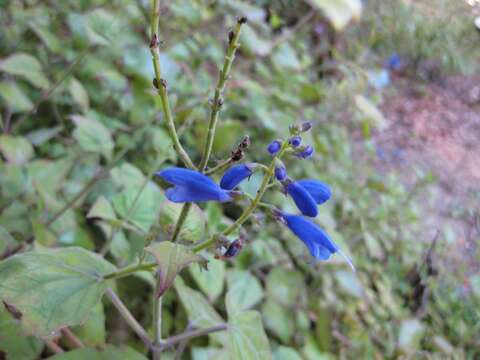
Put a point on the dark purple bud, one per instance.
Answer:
(306, 152)
(295, 141)
(280, 172)
(306, 126)
(274, 147)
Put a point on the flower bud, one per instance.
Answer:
(280, 172)
(274, 147)
(306, 152)
(295, 141)
(306, 126)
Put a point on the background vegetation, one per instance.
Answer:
(83, 135)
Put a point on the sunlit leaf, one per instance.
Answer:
(210, 280)
(17, 150)
(244, 291)
(247, 338)
(53, 288)
(200, 313)
(26, 66)
(92, 135)
(339, 12)
(14, 97)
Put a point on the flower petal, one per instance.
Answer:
(192, 186)
(317, 241)
(235, 175)
(304, 201)
(318, 190)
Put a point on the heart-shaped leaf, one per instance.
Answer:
(171, 259)
(53, 288)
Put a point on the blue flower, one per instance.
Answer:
(235, 175)
(295, 141)
(317, 241)
(319, 191)
(395, 62)
(274, 147)
(306, 153)
(304, 201)
(280, 172)
(191, 186)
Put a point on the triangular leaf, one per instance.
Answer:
(26, 66)
(171, 259)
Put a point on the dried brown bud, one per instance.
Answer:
(245, 143)
(220, 101)
(155, 83)
(237, 154)
(242, 20)
(154, 41)
(164, 83)
(230, 36)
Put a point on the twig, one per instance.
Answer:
(53, 346)
(221, 166)
(218, 99)
(72, 337)
(161, 86)
(129, 318)
(173, 340)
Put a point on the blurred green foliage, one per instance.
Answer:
(79, 112)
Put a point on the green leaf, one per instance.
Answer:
(139, 206)
(79, 94)
(286, 286)
(349, 283)
(199, 311)
(279, 319)
(92, 135)
(102, 209)
(110, 352)
(42, 135)
(17, 150)
(13, 342)
(26, 66)
(286, 353)
(14, 97)
(193, 228)
(247, 338)
(244, 291)
(210, 281)
(339, 12)
(53, 288)
(228, 134)
(6, 240)
(285, 58)
(93, 333)
(171, 259)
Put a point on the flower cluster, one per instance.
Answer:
(307, 194)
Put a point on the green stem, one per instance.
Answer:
(130, 270)
(161, 86)
(217, 99)
(181, 219)
(221, 166)
(251, 208)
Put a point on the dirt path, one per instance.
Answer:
(436, 127)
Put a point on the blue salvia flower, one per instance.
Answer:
(319, 191)
(280, 172)
(306, 153)
(295, 141)
(304, 201)
(235, 175)
(318, 242)
(191, 186)
(274, 147)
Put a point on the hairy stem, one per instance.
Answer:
(217, 99)
(72, 338)
(161, 86)
(221, 166)
(130, 270)
(129, 318)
